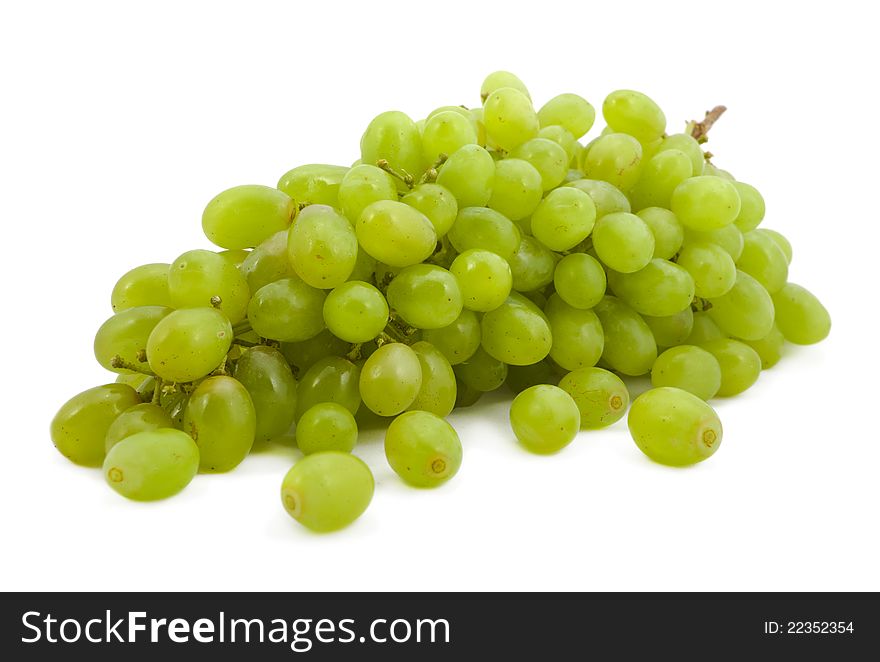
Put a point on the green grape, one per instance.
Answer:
(623, 242)
(221, 418)
(152, 465)
(578, 339)
(564, 218)
(80, 426)
(327, 491)
(667, 231)
(245, 216)
(423, 449)
(499, 79)
(521, 377)
(580, 280)
(659, 177)
(606, 198)
(468, 174)
(769, 348)
(446, 132)
(729, 238)
(544, 418)
(356, 312)
(139, 418)
(547, 157)
(484, 278)
(561, 137)
(711, 267)
(752, 207)
(188, 344)
(628, 111)
(265, 374)
(124, 336)
(480, 227)
(143, 384)
(395, 233)
(630, 347)
(464, 112)
(326, 426)
(436, 203)
(426, 296)
(616, 159)
(364, 267)
(391, 379)
(517, 189)
(600, 396)
(304, 354)
(481, 372)
(329, 379)
(509, 118)
(800, 316)
(674, 427)
(288, 310)
(661, 288)
(268, 262)
(705, 203)
(689, 368)
(457, 341)
(362, 186)
(532, 266)
(671, 330)
(686, 143)
(322, 247)
(236, 256)
(764, 260)
(393, 137)
(146, 285)
(740, 365)
(570, 111)
(197, 278)
(465, 396)
(779, 240)
(746, 311)
(516, 332)
(313, 184)
(437, 393)
(703, 329)
(711, 170)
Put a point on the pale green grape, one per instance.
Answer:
(600, 396)
(667, 231)
(245, 216)
(221, 419)
(446, 132)
(437, 203)
(329, 379)
(711, 170)
(188, 344)
(437, 393)
(686, 143)
(392, 136)
(423, 449)
(80, 427)
(769, 348)
(746, 311)
(313, 184)
(267, 377)
(268, 262)
(630, 347)
(197, 277)
(711, 267)
(362, 186)
(659, 177)
(143, 384)
(481, 372)
(532, 266)
(461, 110)
(779, 240)
(288, 310)
(152, 465)
(457, 341)
(356, 311)
(516, 190)
(661, 288)
(544, 418)
(509, 118)
(426, 296)
(674, 427)
(465, 396)
(516, 332)
(547, 157)
(564, 218)
(484, 278)
(322, 247)
(703, 329)
(139, 418)
(628, 111)
(390, 379)
(124, 337)
(606, 197)
(740, 365)
(570, 111)
(364, 267)
(236, 256)
(146, 285)
(326, 426)
(729, 238)
(304, 354)
(480, 227)
(689, 368)
(752, 207)
(468, 174)
(764, 260)
(578, 339)
(705, 203)
(580, 280)
(623, 241)
(521, 377)
(327, 491)
(671, 330)
(499, 79)
(561, 137)
(395, 233)
(800, 316)
(616, 159)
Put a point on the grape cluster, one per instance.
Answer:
(476, 248)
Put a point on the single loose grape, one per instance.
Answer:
(438, 391)
(390, 379)
(710, 266)
(393, 137)
(221, 418)
(752, 207)
(469, 173)
(268, 262)
(516, 332)
(363, 185)
(288, 310)
(623, 241)
(139, 418)
(423, 449)
(570, 111)
(480, 227)
(628, 111)
(746, 311)
(532, 266)
(457, 341)
(763, 259)
(245, 216)
(600, 396)
(668, 232)
(740, 365)
(498, 79)
(123, 338)
(188, 344)
(606, 197)
(329, 379)
(547, 157)
(517, 189)
(152, 465)
(484, 278)
(395, 233)
(580, 280)
(800, 316)
(481, 371)
(630, 347)
(674, 427)
(769, 348)
(356, 312)
(564, 218)
(689, 368)
(706, 203)
(322, 247)
(671, 330)
(327, 491)
(544, 418)
(146, 285)
(578, 339)
(326, 426)
(313, 183)
(659, 289)
(269, 381)
(509, 118)
(202, 278)
(426, 296)
(437, 204)
(615, 158)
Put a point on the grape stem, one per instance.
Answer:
(157, 390)
(699, 130)
(402, 175)
(431, 173)
(121, 364)
(699, 305)
(356, 352)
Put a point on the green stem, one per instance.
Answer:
(402, 175)
(121, 364)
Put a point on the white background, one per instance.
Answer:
(119, 121)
